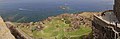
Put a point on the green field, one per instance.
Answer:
(56, 29)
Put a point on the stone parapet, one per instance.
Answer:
(4, 31)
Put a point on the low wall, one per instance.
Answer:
(18, 33)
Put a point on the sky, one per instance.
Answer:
(29, 1)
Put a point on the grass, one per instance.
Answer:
(56, 29)
(83, 30)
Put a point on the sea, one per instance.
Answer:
(35, 10)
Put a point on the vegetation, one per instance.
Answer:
(64, 26)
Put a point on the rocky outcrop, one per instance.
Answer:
(4, 31)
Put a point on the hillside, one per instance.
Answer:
(64, 26)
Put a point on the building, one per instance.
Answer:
(107, 24)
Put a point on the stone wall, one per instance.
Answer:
(18, 34)
(100, 32)
(117, 9)
(4, 31)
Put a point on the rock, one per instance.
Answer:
(4, 31)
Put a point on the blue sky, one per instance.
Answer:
(20, 1)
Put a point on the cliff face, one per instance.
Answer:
(4, 31)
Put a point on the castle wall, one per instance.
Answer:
(117, 9)
(100, 30)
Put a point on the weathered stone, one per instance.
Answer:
(4, 31)
(117, 9)
(100, 32)
(103, 30)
